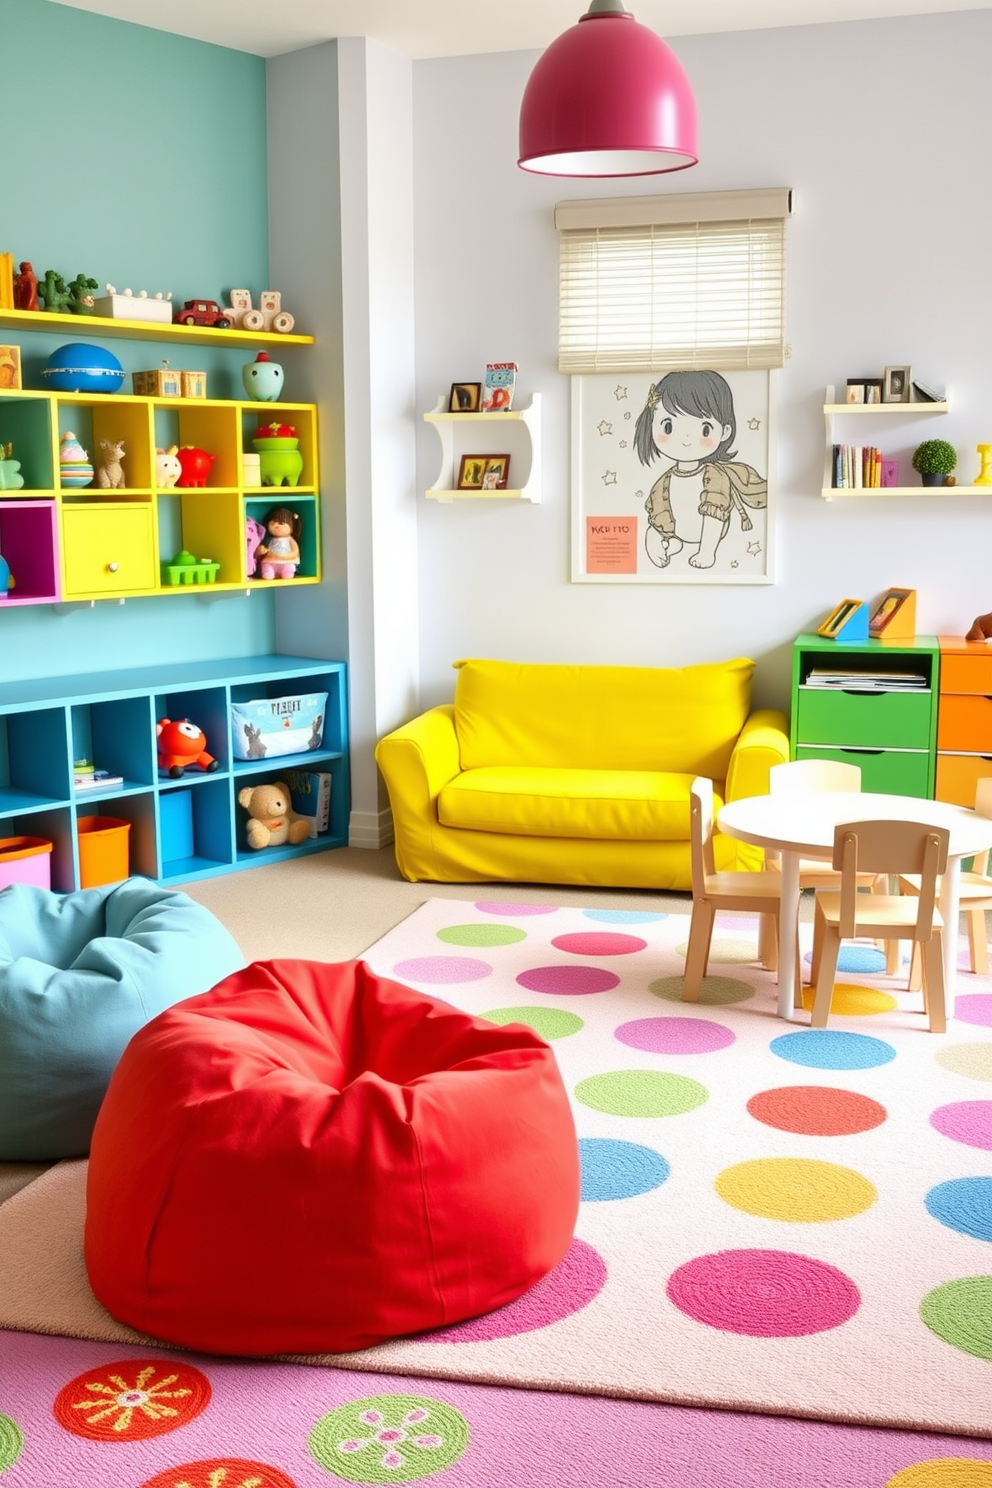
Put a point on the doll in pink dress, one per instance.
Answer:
(279, 550)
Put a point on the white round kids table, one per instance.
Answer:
(802, 826)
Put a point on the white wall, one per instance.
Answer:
(883, 129)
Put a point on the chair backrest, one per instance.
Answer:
(889, 847)
(701, 832)
(813, 775)
(983, 806)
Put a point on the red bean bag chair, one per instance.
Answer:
(311, 1158)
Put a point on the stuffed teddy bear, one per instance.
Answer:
(271, 819)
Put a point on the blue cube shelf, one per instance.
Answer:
(181, 829)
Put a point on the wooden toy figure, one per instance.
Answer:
(280, 549)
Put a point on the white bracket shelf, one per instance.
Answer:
(517, 434)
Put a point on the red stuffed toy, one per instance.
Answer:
(181, 744)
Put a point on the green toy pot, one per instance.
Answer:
(280, 461)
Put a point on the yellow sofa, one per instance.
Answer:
(575, 774)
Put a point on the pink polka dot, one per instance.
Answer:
(442, 970)
(974, 1007)
(599, 943)
(764, 1293)
(968, 1122)
(572, 1285)
(495, 907)
(568, 981)
(675, 1035)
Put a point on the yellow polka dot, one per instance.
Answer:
(944, 1472)
(800, 1190)
(848, 1000)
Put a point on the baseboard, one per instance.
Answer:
(370, 828)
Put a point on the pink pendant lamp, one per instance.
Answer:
(608, 98)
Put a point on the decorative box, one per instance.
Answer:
(160, 382)
(134, 307)
(194, 384)
(264, 728)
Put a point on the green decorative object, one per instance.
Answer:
(186, 568)
(934, 459)
(11, 478)
(52, 293)
(278, 449)
(82, 290)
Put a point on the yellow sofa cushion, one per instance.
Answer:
(530, 801)
(682, 720)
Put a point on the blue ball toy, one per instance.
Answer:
(79, 367)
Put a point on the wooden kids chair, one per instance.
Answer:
(745, 893)
(976, 897)
(889, 847)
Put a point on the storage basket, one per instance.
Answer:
(25, 860)
(265, 728)
(103, 850)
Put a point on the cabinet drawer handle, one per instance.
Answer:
(111, 567)
(847, 750)
(860, 692)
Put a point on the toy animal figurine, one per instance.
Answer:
(82, 289)
(110, 475)
(196, 465)
(181, 744)
(256, 744)
(280, 551)
(167, 467)
(254, 533)
(52, 293)
(26, 288)
(271, 819)
(317, 732)
(263, 378)
(981, 628)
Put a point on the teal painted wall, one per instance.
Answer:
(139, 158)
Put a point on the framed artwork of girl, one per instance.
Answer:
(688, 424)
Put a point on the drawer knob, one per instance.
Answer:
(111, 567)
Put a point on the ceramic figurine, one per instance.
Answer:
(263, 378)
(83, 297)
(281, 462)
(52, 293)
(196, 465)
(167, 467)
(26, 288)
(110, 474)
(75, 469)
(984, 476)
(280, 549)
(11, 478)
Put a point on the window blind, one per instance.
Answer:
(692, 285)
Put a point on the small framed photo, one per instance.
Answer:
(465, 397)
(873, 390)
(471, 471)
(890, 472)
(897, 385)
(855, 391)
(10, 367)
(496, 473)
(888, 607)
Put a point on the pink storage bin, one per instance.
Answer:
(25, 860)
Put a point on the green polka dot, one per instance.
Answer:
(11, 1442)
(641, 1093)
(548, 1022)
(481, 935)
(726, 949)
(960, 1312)
(715, 992)
(972, 1060)
(389, 1439)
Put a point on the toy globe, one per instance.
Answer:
(79, 367)
(75, 470)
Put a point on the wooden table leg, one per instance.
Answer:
(788, 935)
(950, 909)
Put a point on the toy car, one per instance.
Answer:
(204, 313)
(270, 316)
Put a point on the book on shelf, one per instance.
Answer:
(497, 390)
(866, 681)
(310, 796)
(85, 780)
(924, 393)
(856, 467)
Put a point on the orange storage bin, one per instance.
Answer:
(103, 850)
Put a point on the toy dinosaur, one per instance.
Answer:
(82, 290)
(52, 293)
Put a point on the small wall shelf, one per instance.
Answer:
(142, 330)
(517, 433)
(833, 410)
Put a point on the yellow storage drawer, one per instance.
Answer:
(958, 775)
(109, 548)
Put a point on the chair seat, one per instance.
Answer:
(882, 913)
(974, 887)
(743, 885)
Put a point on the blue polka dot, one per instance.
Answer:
(822, 1048)
(623, 916)
(965, 1205)
(858, 958)
(619, 1170)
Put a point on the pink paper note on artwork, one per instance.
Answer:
(611, 545)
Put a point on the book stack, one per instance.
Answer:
(856, 467)
(866, 681)
(90, 780)
(310, 796)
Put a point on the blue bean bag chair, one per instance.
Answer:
(79, 975)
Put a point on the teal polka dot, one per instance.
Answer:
(619, 1170)
(547, 1022)
(641, 1093)
(481, 935)
(963, 1204)
(824, 1048)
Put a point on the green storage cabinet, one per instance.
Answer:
(890, 733)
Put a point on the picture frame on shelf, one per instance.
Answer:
(890, 472)
(855, 391)
(897, 385)
(471, 470)
(465, 397)
(10, 367)
(496, 473)
(873, 389)
(895, 608)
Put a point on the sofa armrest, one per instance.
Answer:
(417, 761)
(763, 742)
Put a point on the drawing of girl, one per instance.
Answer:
(689, 420)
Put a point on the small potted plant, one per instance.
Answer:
(934, 459)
